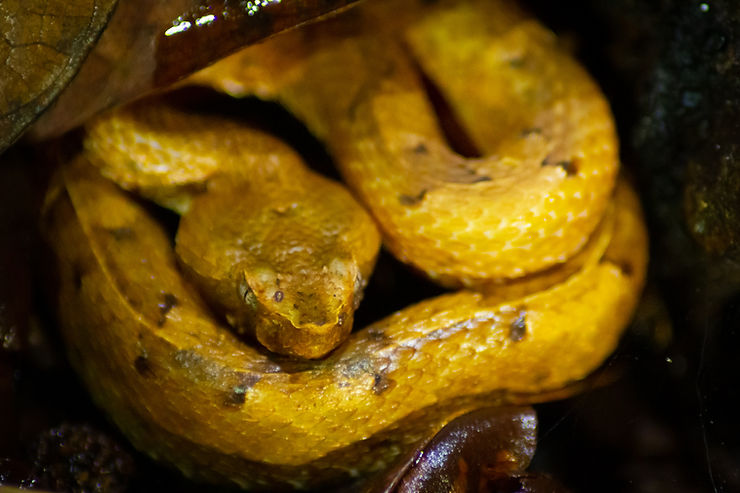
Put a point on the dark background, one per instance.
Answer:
(668, 422)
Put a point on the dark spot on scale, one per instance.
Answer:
(516, 62)
(531, 131)
(167, 304)
(421, 149)
(122, 233)
(569, 166)
(378, 378)
(410, 200)
(465, 176)
(541, 376)
(626, 268)
(295, 306)
(518, 327)
(236, 397)
(379, 337)
(278, 296)
(381, 383)
(143, 366)
(238, 394)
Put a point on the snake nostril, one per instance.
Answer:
(421, 148)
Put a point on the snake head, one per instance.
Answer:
(305, 311)
(285, 265)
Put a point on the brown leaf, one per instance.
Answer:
(149, 44)
(493, 443)
(44, 43)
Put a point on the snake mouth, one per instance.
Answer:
(302, 338)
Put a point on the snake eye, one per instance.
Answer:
(246, 293)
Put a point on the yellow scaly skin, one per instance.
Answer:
(187, 391)
(281, 251)
(545, 128)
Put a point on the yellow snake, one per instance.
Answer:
(554, 253)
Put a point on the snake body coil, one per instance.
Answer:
(556, 253)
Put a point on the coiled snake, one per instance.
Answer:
(550, 254)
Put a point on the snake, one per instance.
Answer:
(229, 352)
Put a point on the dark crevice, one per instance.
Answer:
(267, 116)
(454, 131)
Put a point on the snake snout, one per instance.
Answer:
(306, 312)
